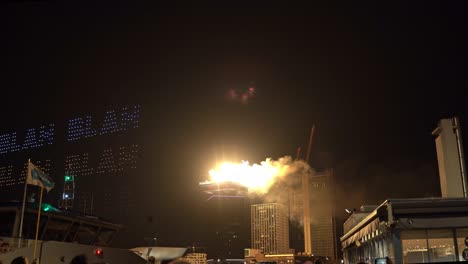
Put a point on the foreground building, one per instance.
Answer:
(64, 234)
(422, 230)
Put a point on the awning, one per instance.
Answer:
(362, 232)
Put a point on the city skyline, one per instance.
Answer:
(374, 79)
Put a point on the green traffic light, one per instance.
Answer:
(68, 178)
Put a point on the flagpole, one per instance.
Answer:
(37, 226)
(24, 203)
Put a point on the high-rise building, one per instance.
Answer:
(322, 221)
(269, 228)
(228, 210)
(295, 214)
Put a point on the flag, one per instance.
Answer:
(37, 177)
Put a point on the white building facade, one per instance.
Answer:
(269, 228)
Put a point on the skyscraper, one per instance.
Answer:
(322, 222)
(228, 208)
(269, 228)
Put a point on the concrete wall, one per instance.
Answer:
(448, 159)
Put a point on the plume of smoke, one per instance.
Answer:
(287, 186)
(259, 178)
(289, 178)
(273, 181)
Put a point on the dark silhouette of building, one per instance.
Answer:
(228, 216)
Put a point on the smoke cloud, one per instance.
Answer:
(261, 178)
(271, 181)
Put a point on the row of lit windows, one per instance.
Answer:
(34, 139)
(269, 228)
(115, 121)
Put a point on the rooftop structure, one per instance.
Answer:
(224, 189)
(452, 171)
(56, 225)
(421, 230)
(64, 234)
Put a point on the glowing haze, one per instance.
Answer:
(258, 178)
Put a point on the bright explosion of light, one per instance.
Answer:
(256, 177)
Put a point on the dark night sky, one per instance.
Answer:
(375, 80)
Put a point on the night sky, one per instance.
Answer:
(374, 80)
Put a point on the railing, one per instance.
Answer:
(9, 244)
